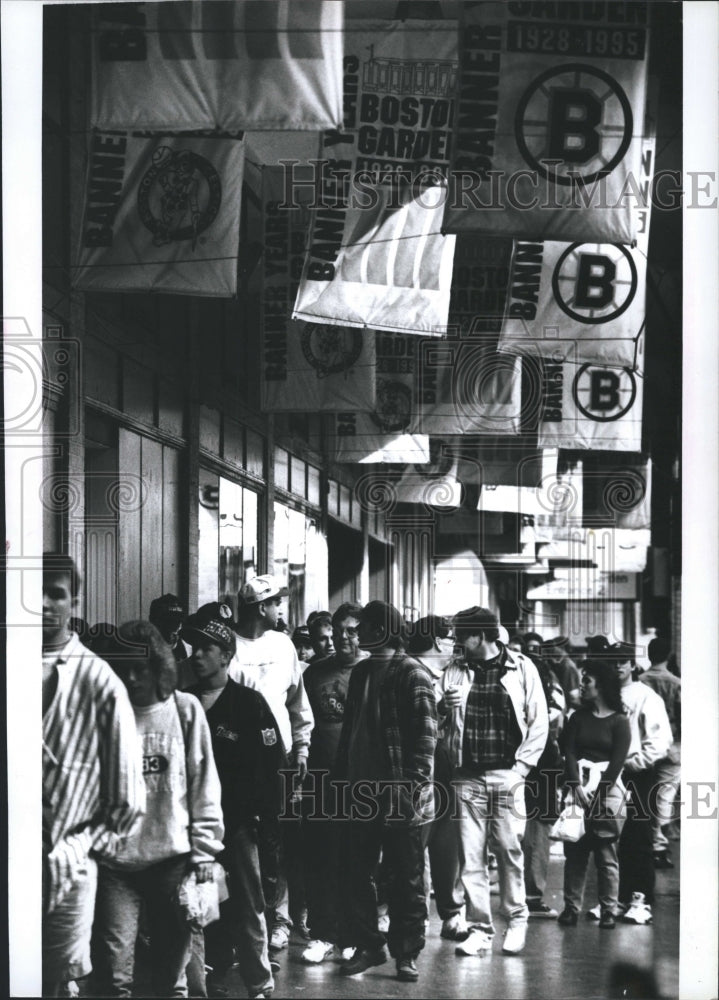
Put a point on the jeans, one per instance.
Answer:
(321, 865)
(575, 872)
(536, 846)
(666, 776)
(66, 934)
(119, 896)
(444, 865)
(402, 849)
(636, 851)
(492, 803)
(242, 917)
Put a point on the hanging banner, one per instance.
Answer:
(492, 464)
(162, 213)
(592, 406)
(307, 367)
(242, 65)
(549, 119)
(389, 432)
(434, 484)
(356, 437)
(616, 491)
(581, 300)
(464, 385)
(376, 257)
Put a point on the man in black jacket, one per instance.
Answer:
(248, 753)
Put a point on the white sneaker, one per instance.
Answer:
(595, 913)
(279, 938)
(347, 953)
(455, 928)
(478, 943)
(383, 923)
(638, 911)
(515, 938)
(317, 951)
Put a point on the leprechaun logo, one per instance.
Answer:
(394, 406)
(179, 196)
(331, 349)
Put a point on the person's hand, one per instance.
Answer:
(452, 697)
(581, 798)
(204, 872)
(300, 767)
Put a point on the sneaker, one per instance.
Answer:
(638, 912)
(515, 938)
(662, 860)
(607, 921)
(347, 953)
(538, 909)
(363, 960)
(383, 923)
(568, 917)
(317, 951)
(478, 942)
(279, 938)
(407, 970)
(455, 928)
(301, 928)
(71, 989)
(595, 913)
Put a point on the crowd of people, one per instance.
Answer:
(329, 775)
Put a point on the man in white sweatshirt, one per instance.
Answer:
(266, 660)
(651, 740)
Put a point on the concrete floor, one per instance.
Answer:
(558, 963)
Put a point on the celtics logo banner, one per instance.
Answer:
(592, 406)
(307, 367)
(549, 119)
(585, 300)
(376, 257)
(162, 213)
(240, 65)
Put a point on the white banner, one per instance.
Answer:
(162, 213)
(549, 120)
(307, 367)
(376, 257)
(199, 65)
(585, 301)
(358, 437)
(434, 484)
(592, 406)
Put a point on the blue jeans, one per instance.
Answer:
(492, 804)
(242, 917)
(117, 917)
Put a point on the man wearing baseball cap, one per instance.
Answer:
(248, 753)
(266, 660)
(167, 614)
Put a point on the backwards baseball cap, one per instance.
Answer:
(596, 643)
(261, 588)
(166, 606)
(214, 622)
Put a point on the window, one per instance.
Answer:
(300, 562)
(228, 541)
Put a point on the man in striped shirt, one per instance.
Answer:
(93, 791)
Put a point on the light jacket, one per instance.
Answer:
(522, 683)
(649, 723)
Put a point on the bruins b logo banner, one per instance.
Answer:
(549, 120)
(162, 213)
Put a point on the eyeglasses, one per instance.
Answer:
(351, 633)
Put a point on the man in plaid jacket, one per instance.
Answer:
(386, 755)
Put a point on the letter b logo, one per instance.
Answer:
(573, 119)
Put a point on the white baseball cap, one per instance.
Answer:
(261, 588)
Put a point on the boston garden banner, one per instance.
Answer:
(162, 213)
(199, 65)
(549, 120)
(376, 257)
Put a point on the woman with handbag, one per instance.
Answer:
(181, 831)
(597, 738)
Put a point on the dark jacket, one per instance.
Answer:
(248, 754)
(408, 728)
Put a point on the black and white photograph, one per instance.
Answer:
(361, 412)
